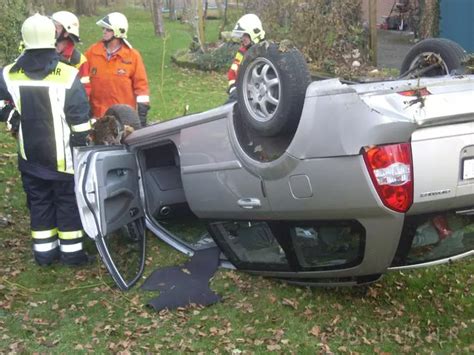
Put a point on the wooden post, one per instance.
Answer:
(373, 30)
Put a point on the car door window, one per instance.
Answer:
(291, 245)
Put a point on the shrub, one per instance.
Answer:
(326, 31)
(330, 33)
(12, 15)
(217, 59)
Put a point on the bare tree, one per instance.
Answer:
(158, 18)
(172, 8)
(222, 8)
(200, 28)
(86, 7)
(69, 4)
(188, 11)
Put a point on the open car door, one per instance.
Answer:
(108, 198)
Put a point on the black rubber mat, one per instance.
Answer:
(185, 284)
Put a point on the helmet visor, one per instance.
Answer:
(238, 33)
(104, 23)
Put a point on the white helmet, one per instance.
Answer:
(249, 24)
(116, 22)
(69, 21)
(38, 32)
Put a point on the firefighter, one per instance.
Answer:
(250, 31)
(67, 36)
(117, 72)
(52, 117)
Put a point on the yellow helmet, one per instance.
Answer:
(251, 25)
(116, 22)
(69, 21)
(38, 32)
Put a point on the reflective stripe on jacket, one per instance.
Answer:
(121, 79)
(50, 110)
(234, 68)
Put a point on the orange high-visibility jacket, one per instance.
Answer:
(119, 80)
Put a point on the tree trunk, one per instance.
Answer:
(69, 4)
(204, 18)
(172, 8)
(188, 11)
(201, 25)
(158, 18)
(222, 15)
(86, 7)
(147, 5)
(373, 31)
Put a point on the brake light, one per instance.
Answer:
(390, 168)
(417, 92)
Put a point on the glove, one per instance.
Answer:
(13, 121)
(78, 139)
(232, 94)
(10, 115)
(142, 112)
(231, 89)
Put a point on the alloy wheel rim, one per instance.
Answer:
(261, 90)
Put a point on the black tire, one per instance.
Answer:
(271, 88)
(448, 54)
(125, 114)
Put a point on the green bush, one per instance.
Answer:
(12, 15)
(330, 33)
(326, 31)
(217, 59)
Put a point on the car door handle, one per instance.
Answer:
(249, 203)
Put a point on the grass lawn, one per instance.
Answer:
(63, 310)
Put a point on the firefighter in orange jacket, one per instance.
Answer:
(117, 72)
(250, 31)
(67, 36)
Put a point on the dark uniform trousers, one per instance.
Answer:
(55, 221)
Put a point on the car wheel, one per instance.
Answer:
(271, 88)
(125, 114)
(432, 57)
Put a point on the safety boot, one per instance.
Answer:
(47, 258)
(77, 258)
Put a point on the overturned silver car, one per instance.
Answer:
(322, 182)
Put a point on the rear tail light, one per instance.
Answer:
(416, 92)
(390, 168)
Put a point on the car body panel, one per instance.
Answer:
(445, 147)
(111, 209)
(319, 179)
(343, 118)
(110, 186)
(225, 185)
